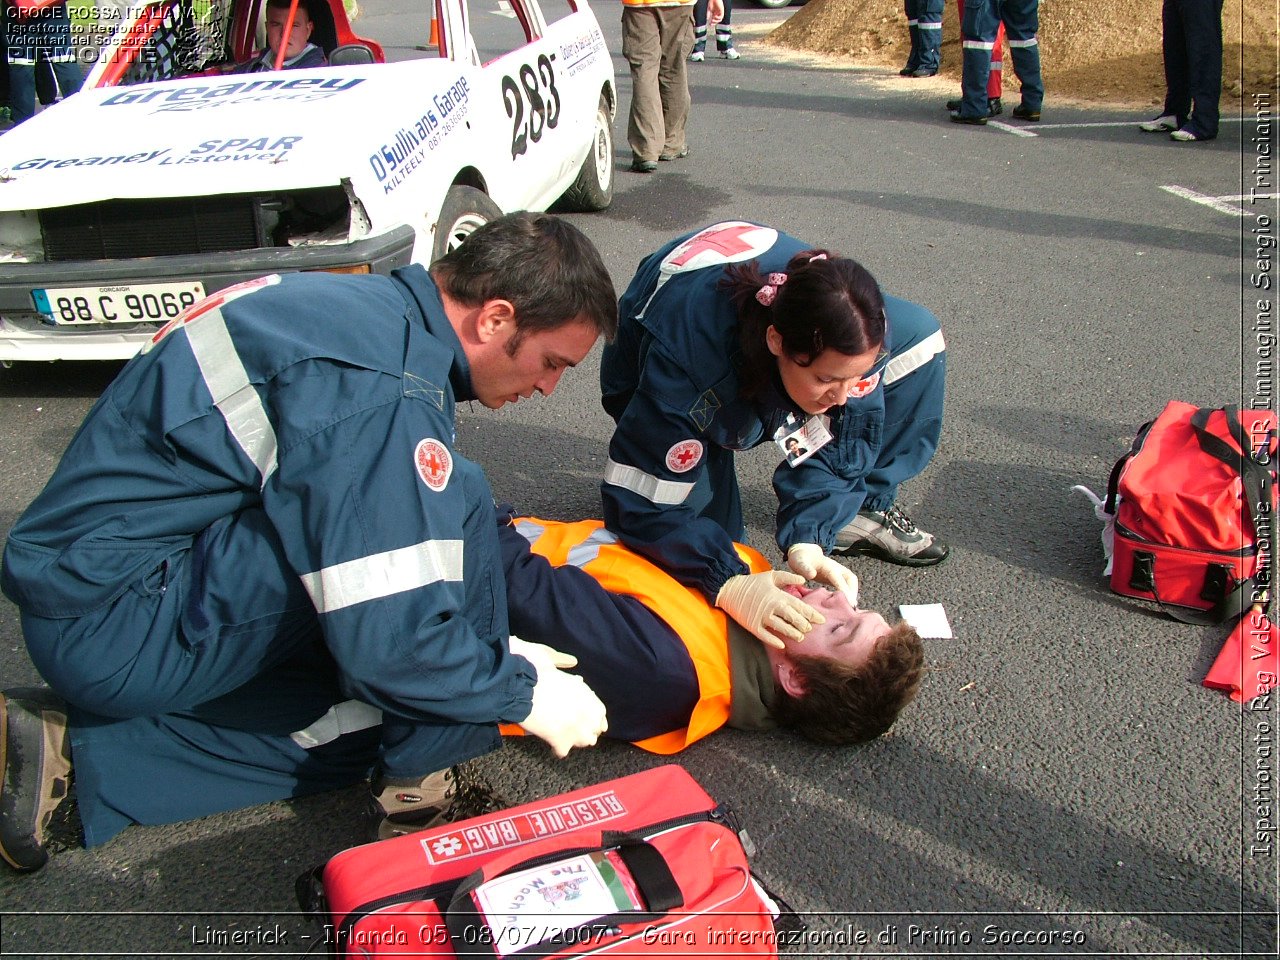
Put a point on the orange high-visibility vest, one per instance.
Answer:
(703, 628)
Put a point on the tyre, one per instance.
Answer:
(773, 4)
(464, 209)
(593, 190)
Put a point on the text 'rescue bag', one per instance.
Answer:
(644, 865)
(1185, 499)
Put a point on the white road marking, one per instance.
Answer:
(1230, 205)
(1024, 130)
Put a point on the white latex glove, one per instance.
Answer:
(808, 560)
(535, 652)
(565, 713)
(758, 602)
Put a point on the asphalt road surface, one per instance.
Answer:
(1063, 784)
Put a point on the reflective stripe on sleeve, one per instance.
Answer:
(232, 393)
(915, 358)
(339, 720)
(384, 574)
(666, 493)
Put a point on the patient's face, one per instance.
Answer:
(297, 38)
(849, 634)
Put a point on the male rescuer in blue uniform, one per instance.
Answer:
(264, 516)
(737, 335)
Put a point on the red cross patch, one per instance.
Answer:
(434, 463)
(684, 456)
(727, 242)
(211, 302)
(865, 386)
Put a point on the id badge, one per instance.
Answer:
(798, 440)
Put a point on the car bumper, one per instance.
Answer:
(24, 335)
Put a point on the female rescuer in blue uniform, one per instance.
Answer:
(739, 335)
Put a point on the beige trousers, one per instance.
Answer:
(655, 42)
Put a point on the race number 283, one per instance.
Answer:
(537, 89)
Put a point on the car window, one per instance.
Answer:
(496, 28)
(553, 10)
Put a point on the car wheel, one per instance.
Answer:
(593, 190)
(464, 210)
(774, 4)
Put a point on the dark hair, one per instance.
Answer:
(546, 267)
(845, 704)
(826, 303)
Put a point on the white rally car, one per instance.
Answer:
(128, 201)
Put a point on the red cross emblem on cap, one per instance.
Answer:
(434, 463)
(684, 456)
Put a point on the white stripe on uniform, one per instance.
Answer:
(228, 382)
(666, 493)
(911, 360)
(384, 574)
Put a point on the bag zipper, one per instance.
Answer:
(1242, 553)
(438, 890)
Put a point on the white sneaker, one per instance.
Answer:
(697, 56)
(731, 54)
(1160, 124)
(892, 536)
(1185, 135)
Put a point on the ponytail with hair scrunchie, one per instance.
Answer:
(766, 294)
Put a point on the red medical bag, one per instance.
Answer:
(644, 865)
(1185, 500)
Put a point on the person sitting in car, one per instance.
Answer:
(299, 51)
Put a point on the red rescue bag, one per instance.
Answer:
(644, 865)
(1186, 499)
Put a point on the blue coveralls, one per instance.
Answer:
(1193, 64)
(670, 382)
(924, 23)
(28, 36)
(978, 30)
(263, 517)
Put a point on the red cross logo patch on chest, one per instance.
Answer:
(684, 456)
(434, 463)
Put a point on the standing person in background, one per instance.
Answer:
(724, 33)
(31, 30)
(978, 29)
(657, 36)
(995, 82)
(1192, 70)
(924, 22)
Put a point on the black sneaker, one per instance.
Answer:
(644, 166)
(994, 106)
(956, 117)
(1023, 112)
(890, 535)
(35, 772)
(397, 806)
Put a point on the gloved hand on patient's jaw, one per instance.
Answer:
(760, 604)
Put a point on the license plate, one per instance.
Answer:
(116, 303)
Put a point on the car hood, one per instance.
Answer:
(201, 136)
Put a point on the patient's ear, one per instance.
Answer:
(789, 678)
